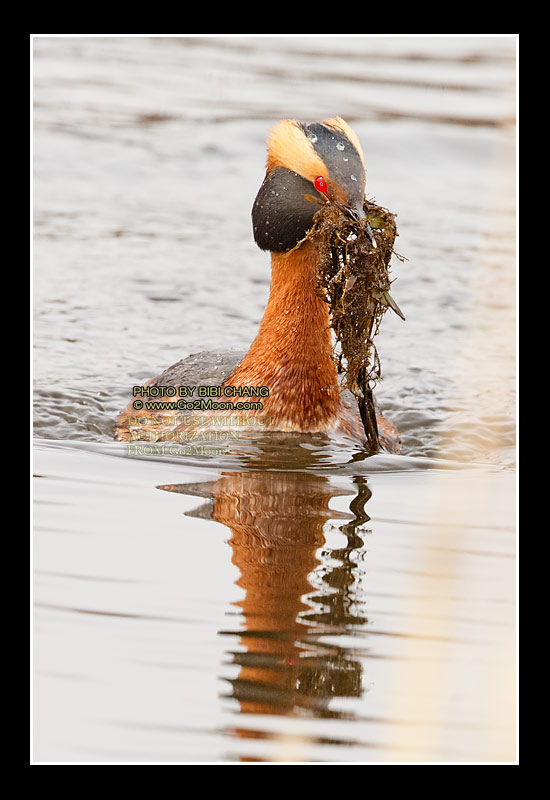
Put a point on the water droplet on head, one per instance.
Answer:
(340, 146)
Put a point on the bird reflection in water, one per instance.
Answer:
(296, 590)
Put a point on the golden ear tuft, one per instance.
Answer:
(339, 124)
(288, 146)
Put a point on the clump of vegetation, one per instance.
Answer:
(354, 279)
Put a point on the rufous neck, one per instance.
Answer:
(292, 353)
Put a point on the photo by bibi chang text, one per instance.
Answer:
(199, 398)
(202, 391)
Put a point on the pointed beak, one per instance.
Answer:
(355, 212)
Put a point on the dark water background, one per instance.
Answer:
(290, 600)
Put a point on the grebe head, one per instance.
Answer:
(323, 162)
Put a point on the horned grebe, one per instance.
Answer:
(292, 354)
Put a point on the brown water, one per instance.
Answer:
(289, 600)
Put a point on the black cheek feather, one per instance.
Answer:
(281, 215)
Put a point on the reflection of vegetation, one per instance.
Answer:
(306, 683)
(276, 520)
(330, 676)
(342, 579)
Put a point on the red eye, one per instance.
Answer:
(320, 184)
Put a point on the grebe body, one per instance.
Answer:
(292, 354)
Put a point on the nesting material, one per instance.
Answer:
(354, 279)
